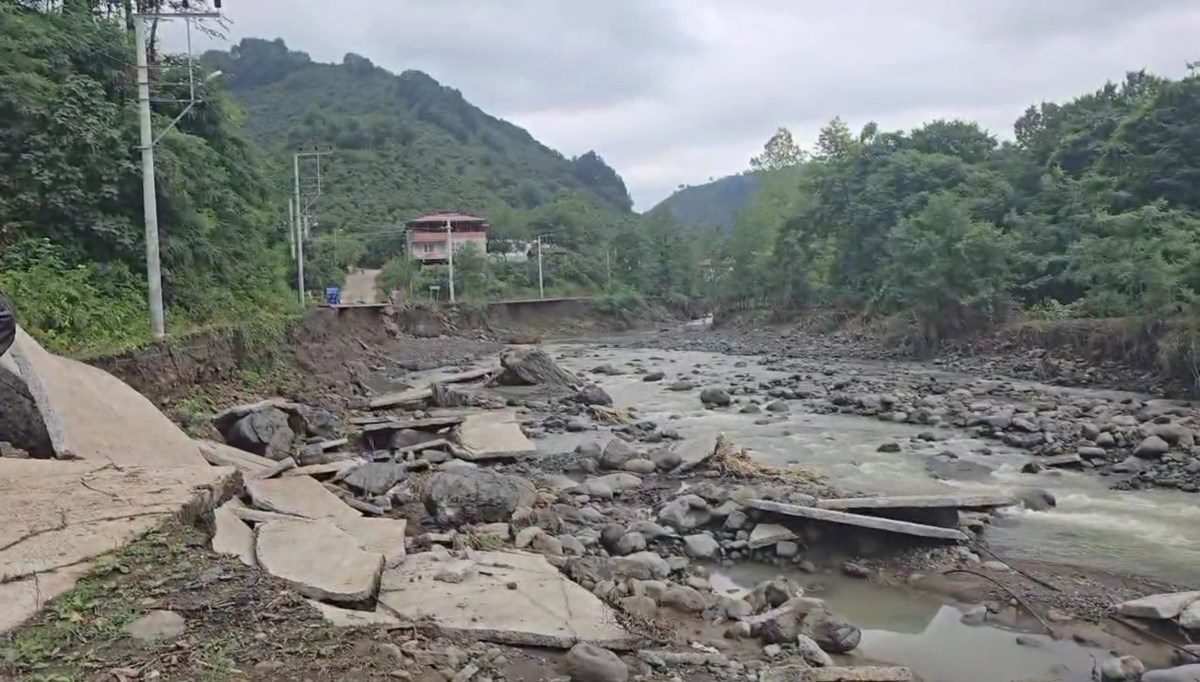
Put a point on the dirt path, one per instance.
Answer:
(360, 287)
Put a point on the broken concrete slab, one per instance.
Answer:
(378, 535)
(222, 455)
(803, 673)
(59, 513)
(352, 618)
(1166, 606)
(320, 559)
(513, 598)
(376, 478)
(428, 423)
(298, 496)
(24, 597)
(493, 435)
(768, 534)
(966, 501)
(859, 520)
(231, 535)
(416, 396)
(90, 414)
(326, 469)
(1071, 459)
(1189, 619)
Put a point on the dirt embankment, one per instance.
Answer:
(1103, 353)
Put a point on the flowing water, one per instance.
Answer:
(1147, 533)
(1153, 533)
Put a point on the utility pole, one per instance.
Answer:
(301, 214)
(450, 256)
(541, 284)
(146, 142)
(149, 191)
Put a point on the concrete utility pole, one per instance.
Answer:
(149, 191)
(301, 215)
(450, 256)
(146, 142)
(541, 284)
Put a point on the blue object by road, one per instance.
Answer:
(333, 295)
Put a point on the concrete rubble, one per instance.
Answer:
(59, 515)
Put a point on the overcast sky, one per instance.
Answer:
(675, 92)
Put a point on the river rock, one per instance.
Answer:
(1190, 618)
(1175, 434)
(890, 446)
(1036, 498)
(777, 406)
(682, 598)
(834, 635)
(654, 376)
(629, 543)
(620, 481)
(736, 519)
(264, 432)
(640, 466)
(1184, 673)
(651, 530)
(616, 453)
(682, 385)
(811, 652)
(1151, 447)
(589, 663)
(715, 397)
(666, 459)
(641, 565)
(639, 605)
(701, 546)
(770, 594)
(578, 425)
(1158, 606)
(1121, 669)
(531, 366)
(685, 513)
(1130, 465)
(593, 395)
(476, 496)
(768, 534)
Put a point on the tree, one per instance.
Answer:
(781, 151)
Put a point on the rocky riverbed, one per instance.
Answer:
(636, 499)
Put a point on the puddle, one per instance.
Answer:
(919, 630)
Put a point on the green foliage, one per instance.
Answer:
(712, 204)
(400, 274)
(73, 307)
(1093, 211)
(70, 176)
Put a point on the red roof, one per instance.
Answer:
(444, 217)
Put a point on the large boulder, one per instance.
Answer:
(616, 454)
(590, 663)
(593, 395)
(831, 633)
(1152, 447)
(476, 496)
(685, 513)
(266, 432)
(530, 366)
(715, 397)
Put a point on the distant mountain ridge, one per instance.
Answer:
(712, 204)
(405, 143)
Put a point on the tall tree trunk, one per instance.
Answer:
(128, 7)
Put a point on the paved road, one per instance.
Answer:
(360, 287)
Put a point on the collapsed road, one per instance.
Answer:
(662, 514)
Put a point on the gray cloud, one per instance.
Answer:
(677, 91)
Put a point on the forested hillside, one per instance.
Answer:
(406, 145)
(1092, 211)
(713, 204)
(71, 231)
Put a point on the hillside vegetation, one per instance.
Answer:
(713, 204)
(406, 145)
(71, 231)
(1092, 211)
